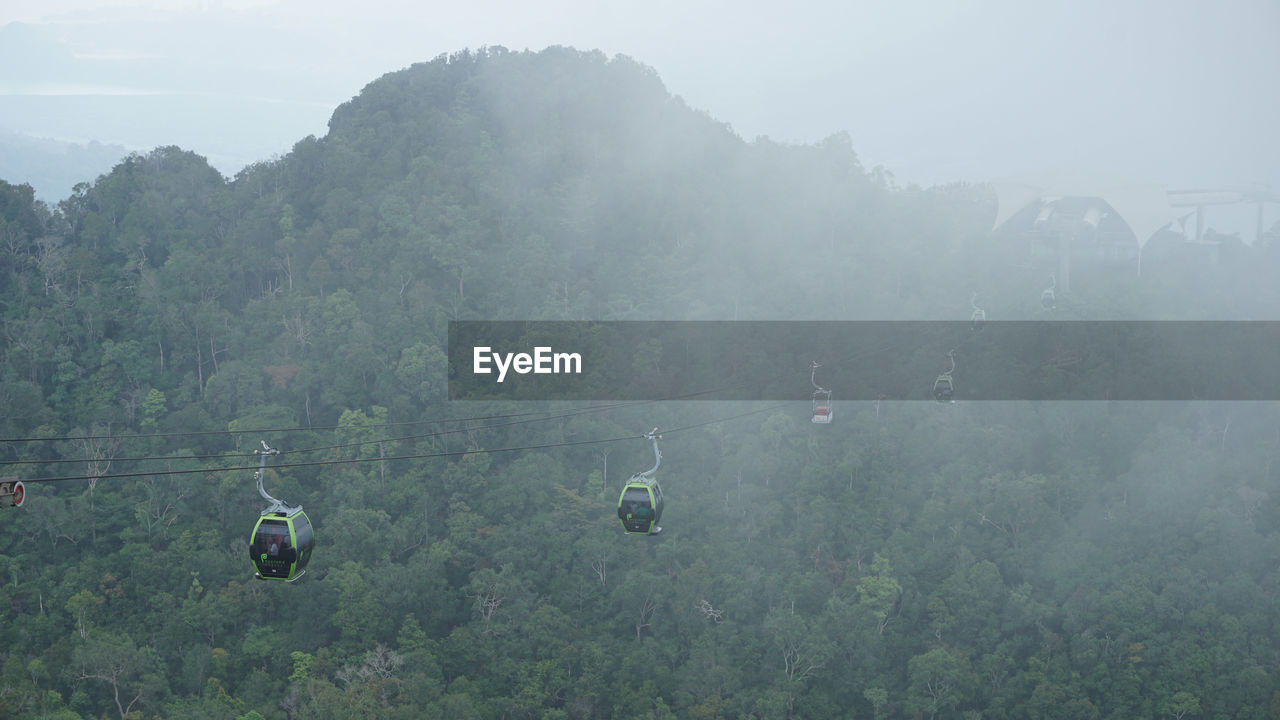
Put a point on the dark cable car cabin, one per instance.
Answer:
(640, 508)
(281, 543)
(943, 389)
(640, 504)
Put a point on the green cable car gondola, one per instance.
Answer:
(281, 543)
(640, 504)
(943, 389)
(281, 546)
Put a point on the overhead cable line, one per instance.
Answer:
(272, 431)
(560, 416)
(477, 418)
(348, 461)
(151, 458)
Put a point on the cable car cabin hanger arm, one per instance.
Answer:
(653, 437)
(276, 505)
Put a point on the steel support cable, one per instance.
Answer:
(543, 415)
(450, 453)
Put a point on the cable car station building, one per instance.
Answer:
(1093, 217)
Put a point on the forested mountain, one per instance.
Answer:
(993, 560)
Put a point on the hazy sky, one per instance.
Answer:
(1184, 92)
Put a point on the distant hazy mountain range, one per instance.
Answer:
(230, 131)
(80, 103)
(53, 167)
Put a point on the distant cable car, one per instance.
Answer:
(281, 543)
(944, 388)
(822, 410)
(979, 315)
(640, 504)
(1048, 300)
(12, 492)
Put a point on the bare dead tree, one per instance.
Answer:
(112, 665)
(381, 662)
(708, 610)
(799, 661)
(598, 565)
(488, 600)
(647, 609)
(161, 504)
(98, 451)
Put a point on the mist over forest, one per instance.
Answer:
(907, 560)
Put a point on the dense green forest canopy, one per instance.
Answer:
(910, 560)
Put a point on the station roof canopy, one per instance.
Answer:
(1143, 205)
